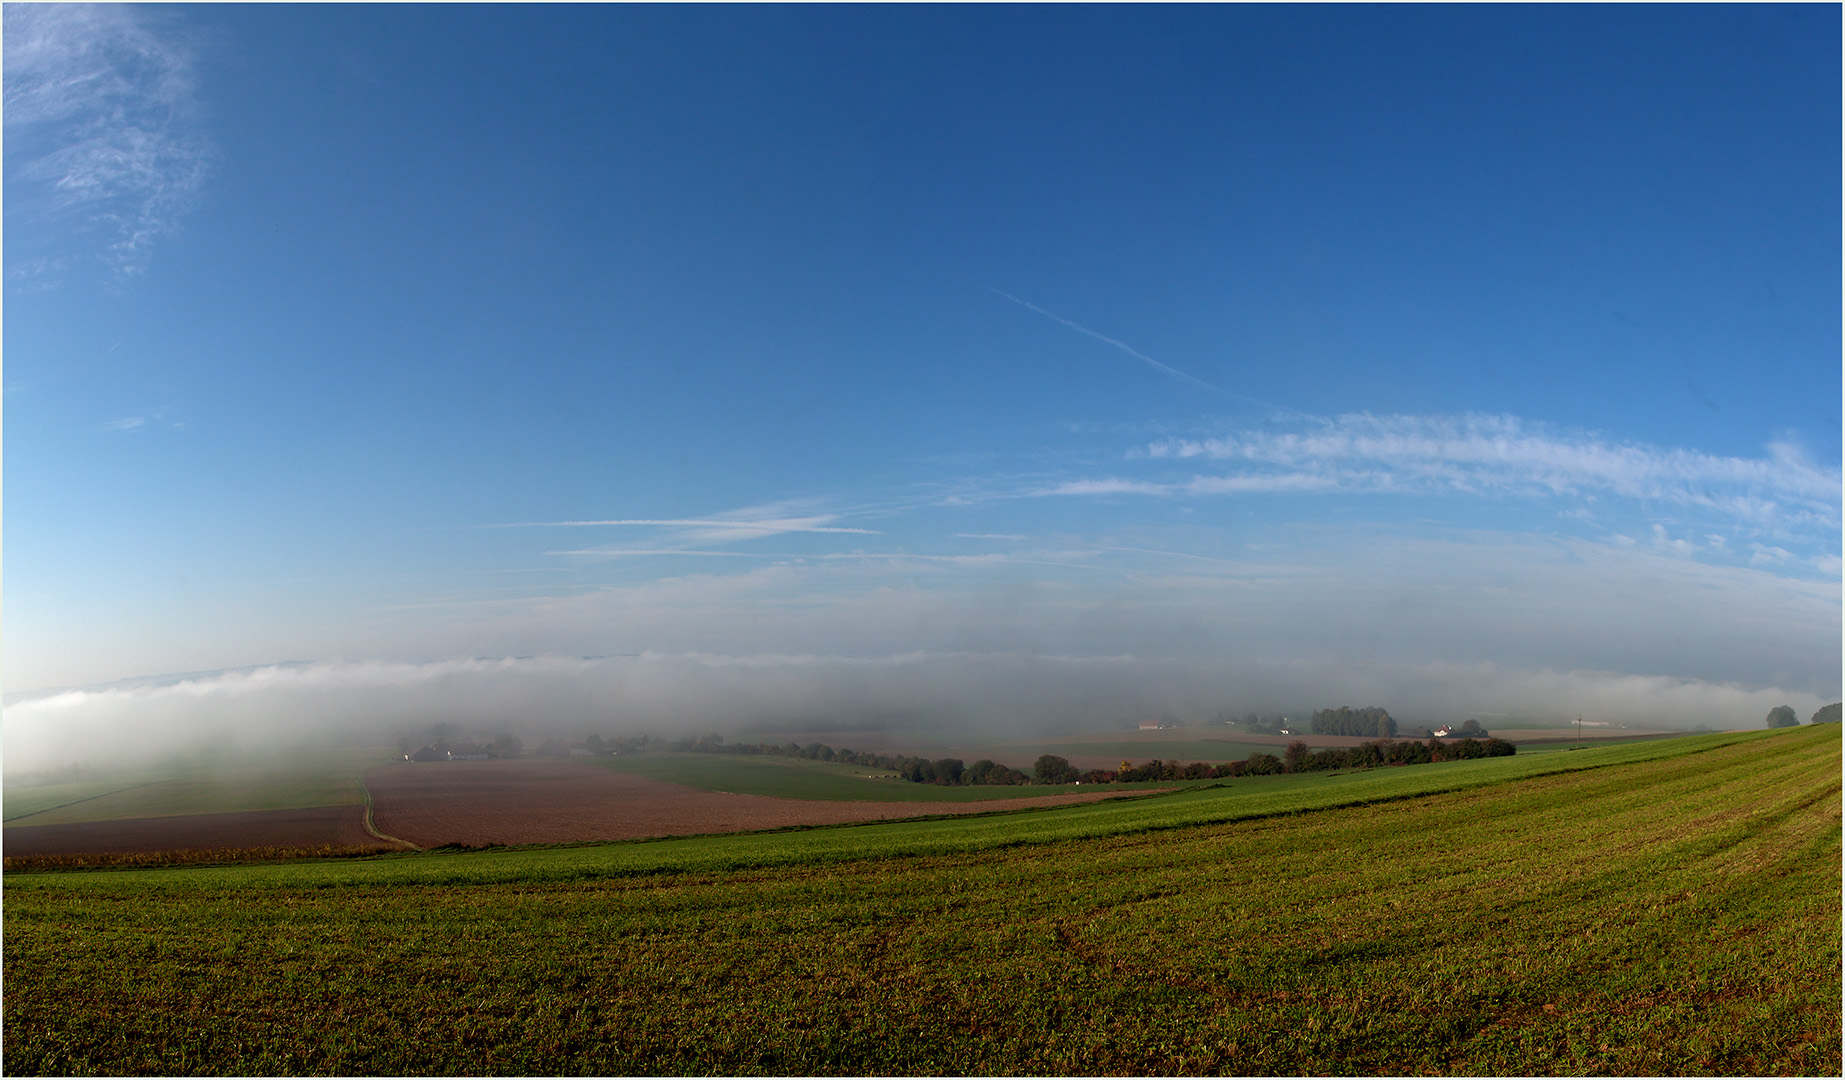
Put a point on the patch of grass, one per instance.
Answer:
(24, 802)
(1668, 914)
(308, 778)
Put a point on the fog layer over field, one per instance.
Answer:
(1434, 632)
(274, 707)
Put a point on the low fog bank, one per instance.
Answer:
(277, 707)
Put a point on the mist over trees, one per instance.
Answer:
(1368, 722)
(1256, 725)
(1782, 716)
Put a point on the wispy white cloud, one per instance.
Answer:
(126, 423)
(701, 537)
(1110, 485)
(1485, 458)
(711, 528)
(1504, 455)
(991, 536)
(631, 552)
(102, 130)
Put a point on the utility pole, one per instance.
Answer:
(1578, 745)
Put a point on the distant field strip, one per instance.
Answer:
(800, 778)
(1668, 914)
(30, 802)
(478, 803)
(311, 780)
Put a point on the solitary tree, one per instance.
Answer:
(1051, 769)
(1782, 716)
(1827, 714)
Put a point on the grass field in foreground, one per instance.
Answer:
(1677, 913)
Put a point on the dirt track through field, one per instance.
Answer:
(540, 802)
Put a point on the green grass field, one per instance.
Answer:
(1654, 908)
(202, 785)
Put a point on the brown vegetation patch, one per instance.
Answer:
(188, 857)
(547, 802)
(335, 826)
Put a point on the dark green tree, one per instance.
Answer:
(1827, 714)
(1051, 769)
(1345, 720)
(1262, 765)
(1782, 716)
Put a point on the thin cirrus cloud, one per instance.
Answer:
(103, 134)
(694, 536)
(719, 527)
(691, 536)
(1484, 456)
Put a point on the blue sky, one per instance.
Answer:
(1461, 360)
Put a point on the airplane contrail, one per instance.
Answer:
(1166, 369)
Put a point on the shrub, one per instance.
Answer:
(1262, 765)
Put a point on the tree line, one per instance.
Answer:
(1785, 716)
(1297, 756)
(951, 772)
(1054, 769)
(1345, 720)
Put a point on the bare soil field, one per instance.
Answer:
(544, 802)
(340, 826)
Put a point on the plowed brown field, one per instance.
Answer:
(543, 802)
(340, 826)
